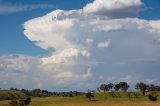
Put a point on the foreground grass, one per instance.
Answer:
(101, 99)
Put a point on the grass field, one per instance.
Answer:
(101, 99)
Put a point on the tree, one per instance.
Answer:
(103, 87)
(106, 87)
(89, 95)
(117, 87)
(153, 87)
(142, 87)
(157, 88)
(124, 86)
(110, 86)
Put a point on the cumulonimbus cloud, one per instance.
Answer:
(75, 36)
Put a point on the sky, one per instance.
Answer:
(77, 45)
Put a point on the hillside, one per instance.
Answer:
(100, 99)
(11, 94)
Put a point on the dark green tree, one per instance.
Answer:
(110, 86)
(103, 87)
(117, 87)
(142, 87)
(123, 86)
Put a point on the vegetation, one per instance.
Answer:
(107, 94)
(14, 103)
(142, 87)
(153, 96)
(103, 99)
(123, 86)
(89, 95)
(20, 102)
(11, 94)
(15, 93)
(106, 87)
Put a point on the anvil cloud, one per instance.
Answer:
(103, 39)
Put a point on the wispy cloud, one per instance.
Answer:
(13, 8)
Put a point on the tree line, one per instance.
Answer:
(113, 90)
(14, 93)
(123, 86)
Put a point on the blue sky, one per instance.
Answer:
(127, 44)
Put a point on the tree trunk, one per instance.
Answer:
(143, 93)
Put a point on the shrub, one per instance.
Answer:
(27, 101)
(115, 94)
(20, 102)
(137, 94)
(130, 94)
(13, 103)
(89, 95)
(153, 96)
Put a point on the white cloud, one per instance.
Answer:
(127, 78)
(88, 74)
(76, 35)
(150, 81)
(73, 37)
(61, 57)
(103, 44)
(25, 71)
(13, 8)
(130, 79)
(89, 40)
(114, 8)
(54, 34)
(155, 25)
(65, 56)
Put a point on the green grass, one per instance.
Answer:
(103, 99)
